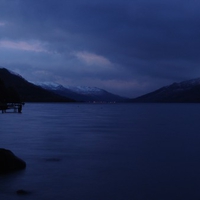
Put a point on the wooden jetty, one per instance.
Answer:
(15, 107)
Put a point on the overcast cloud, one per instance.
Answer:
(127, 47)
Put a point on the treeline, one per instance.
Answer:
(8, 94)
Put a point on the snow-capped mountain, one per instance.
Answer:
(49, 85)
(184, 85)
(86, 90)
(77, 89)
(27, 91)
(182, 92)
(82, 93)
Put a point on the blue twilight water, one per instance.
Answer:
(104, 151)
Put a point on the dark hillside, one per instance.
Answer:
(27, 91)
(183, 92)
(8, 94)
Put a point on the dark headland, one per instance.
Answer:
(14, 88)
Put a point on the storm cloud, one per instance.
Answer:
(126, 47)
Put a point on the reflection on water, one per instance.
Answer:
(104, 151)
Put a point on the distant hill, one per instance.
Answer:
(183, 92)
(83, 94)
(27, 91)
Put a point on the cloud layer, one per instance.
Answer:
(126, 47)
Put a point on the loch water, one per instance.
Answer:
(103, 151)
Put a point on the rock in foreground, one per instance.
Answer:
(9, 162)
(22, 192)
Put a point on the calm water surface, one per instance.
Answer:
(104, 151)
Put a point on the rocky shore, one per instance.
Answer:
(9, 162)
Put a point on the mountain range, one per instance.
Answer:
(14, 87)
(51, 92)
(182, 92)
(27, 91)
(82, 93)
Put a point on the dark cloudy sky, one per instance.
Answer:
(128, 47)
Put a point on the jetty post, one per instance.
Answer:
(16, 107)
